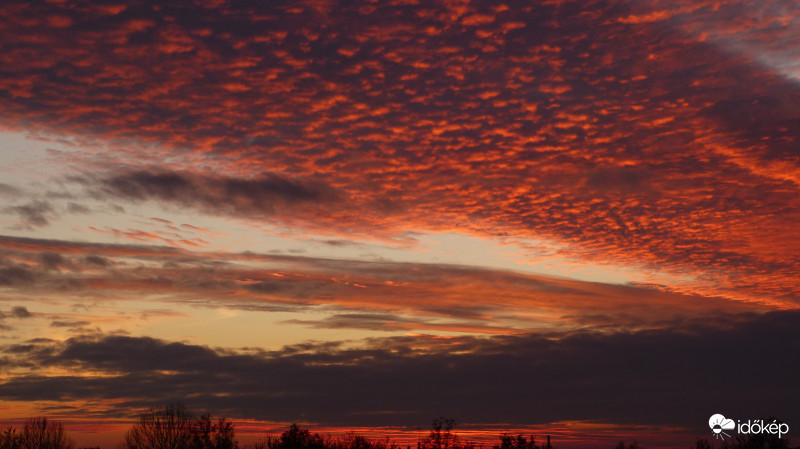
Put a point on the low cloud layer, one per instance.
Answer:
(677, 377)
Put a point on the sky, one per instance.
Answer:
(575, 218)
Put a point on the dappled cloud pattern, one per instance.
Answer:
(659, 135)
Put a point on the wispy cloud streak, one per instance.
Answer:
(385, 296)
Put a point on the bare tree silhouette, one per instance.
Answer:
(634, 445)
(166, 428)
(174, 427)
(297, 438)
(209, 435)
(441, 436)
(41, 433)
(352, 440)
(519, 442)
(9, 439)
(702, 443)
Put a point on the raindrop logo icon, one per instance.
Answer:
(719, 424)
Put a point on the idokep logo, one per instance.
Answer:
(719, 424)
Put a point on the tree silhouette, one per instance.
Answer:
(352, 440)
(209, 435)
(297, 438)
(634, 445)
(165, 428)
(748, 442)
(702, 443)
(519, 442)
(441, 436)
(174, 427)
(9, 439)
(41, 433)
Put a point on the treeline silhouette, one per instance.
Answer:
(174, 427)
(37, 433)
(441, 436)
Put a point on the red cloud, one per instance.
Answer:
(628, 133)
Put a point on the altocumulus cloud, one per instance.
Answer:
(630, 134)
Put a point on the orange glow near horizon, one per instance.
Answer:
(108, 433)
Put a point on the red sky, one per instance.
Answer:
(444, 208)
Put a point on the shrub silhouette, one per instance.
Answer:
(757, 441)
(702, 443)
(9, 439)
(352, 440)
(297, 438)
(37, 433)
(634, 445)
(519, 442)
(209, 435)
(174, 427)
(166, 428)
(441, 436)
